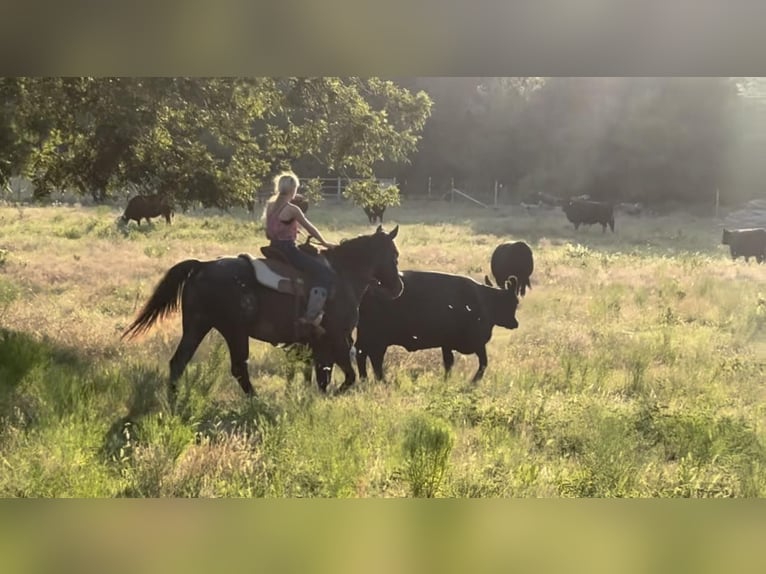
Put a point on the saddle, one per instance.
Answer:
(273, 270)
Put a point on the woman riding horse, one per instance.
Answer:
(224, 294)
(282, 219)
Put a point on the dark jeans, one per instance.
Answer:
(320, 275)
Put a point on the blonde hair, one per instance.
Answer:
(284, 184)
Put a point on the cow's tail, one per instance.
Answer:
(165, 298)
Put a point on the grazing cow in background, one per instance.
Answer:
(579, 211)
(147, 206)
(512, 260)
(435, 310)
(746, 243)
(375, 212)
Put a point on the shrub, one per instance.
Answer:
(427, 445)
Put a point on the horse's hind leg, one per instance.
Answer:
(238, 342)
(194, 332)
(349, 372)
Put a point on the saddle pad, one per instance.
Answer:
(277, 275)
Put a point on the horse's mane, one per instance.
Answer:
(353, 252)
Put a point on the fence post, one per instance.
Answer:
(339, 196)
(495, 193)
(452, 190)
(429, 187)
(717, 202)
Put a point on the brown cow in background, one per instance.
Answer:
(147, 206)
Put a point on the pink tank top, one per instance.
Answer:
(279, 230)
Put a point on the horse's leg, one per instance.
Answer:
(238, 342)
(376, 358)
(193, 333)
(341, 355)
(323, 362)
(361, 363)
(449, 360)
(307, 370)
(344, 363)
(482, 354)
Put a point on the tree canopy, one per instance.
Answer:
(200, 139)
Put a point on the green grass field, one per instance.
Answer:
(637, 369)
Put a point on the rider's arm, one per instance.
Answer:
(299, 215)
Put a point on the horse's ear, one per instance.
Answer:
(487, 281)
(394, 232)
(379, 229)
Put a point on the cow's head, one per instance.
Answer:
(725, 240)
(505, 301)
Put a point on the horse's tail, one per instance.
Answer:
(165, 298)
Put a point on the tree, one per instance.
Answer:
(195, 139)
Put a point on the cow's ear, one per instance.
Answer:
(512, 283)
(379, 229)
(487, 281)
(394, 232)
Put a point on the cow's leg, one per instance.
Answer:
(238, 342)
(449, 360)
(577, 226)
(482, 355)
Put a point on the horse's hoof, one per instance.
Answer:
(344, 388)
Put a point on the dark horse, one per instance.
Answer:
(225, 295)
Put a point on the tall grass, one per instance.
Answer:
(636, 371)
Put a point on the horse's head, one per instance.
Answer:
(375, 257)
(385, 259)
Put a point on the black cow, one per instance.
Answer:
(746, 243)
(375, 212)
(579, 211)
(434, 310)
(147, 206)
(512, 260)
